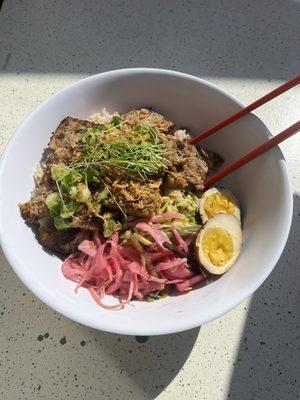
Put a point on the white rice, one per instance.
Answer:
(102, 117)
(38, 173)
(181, 135)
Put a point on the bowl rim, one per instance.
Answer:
(156, 330)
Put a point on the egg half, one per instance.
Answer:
(219, 243)
(216, 201)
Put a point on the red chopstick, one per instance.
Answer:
(253, 154)
(269, 96)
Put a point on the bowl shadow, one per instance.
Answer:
(139, 367)
(150, 363)
(267, 363)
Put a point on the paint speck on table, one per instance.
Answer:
(63, 340)
(142, 339)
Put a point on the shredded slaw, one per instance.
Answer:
(109, 267)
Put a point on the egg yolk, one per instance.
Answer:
(217, 246)
(218, 203)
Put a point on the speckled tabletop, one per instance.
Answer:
(245, 47)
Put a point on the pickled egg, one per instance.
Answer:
(218, 201)
(219, 243)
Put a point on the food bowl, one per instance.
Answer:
(262, 188)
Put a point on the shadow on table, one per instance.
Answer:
(267, 364)
(137, 367)
(207, 38)
(150, 363)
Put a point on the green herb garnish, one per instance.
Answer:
(60, 223)
(139, 156)
(116, 121)
(159, 294)
(108, 228)
(112, 150)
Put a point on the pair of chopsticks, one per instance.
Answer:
(269, 144)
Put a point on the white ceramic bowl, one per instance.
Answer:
(262, 188)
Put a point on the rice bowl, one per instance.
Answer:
(204, 105)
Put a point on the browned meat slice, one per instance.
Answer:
(65, 140)
(175, 180)
(46, 182)
(213, 160)
(194, 170)
(144, 116)
(187, 167)
(136, 198)
(63, 242)
(84, 219)
(34, 210)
